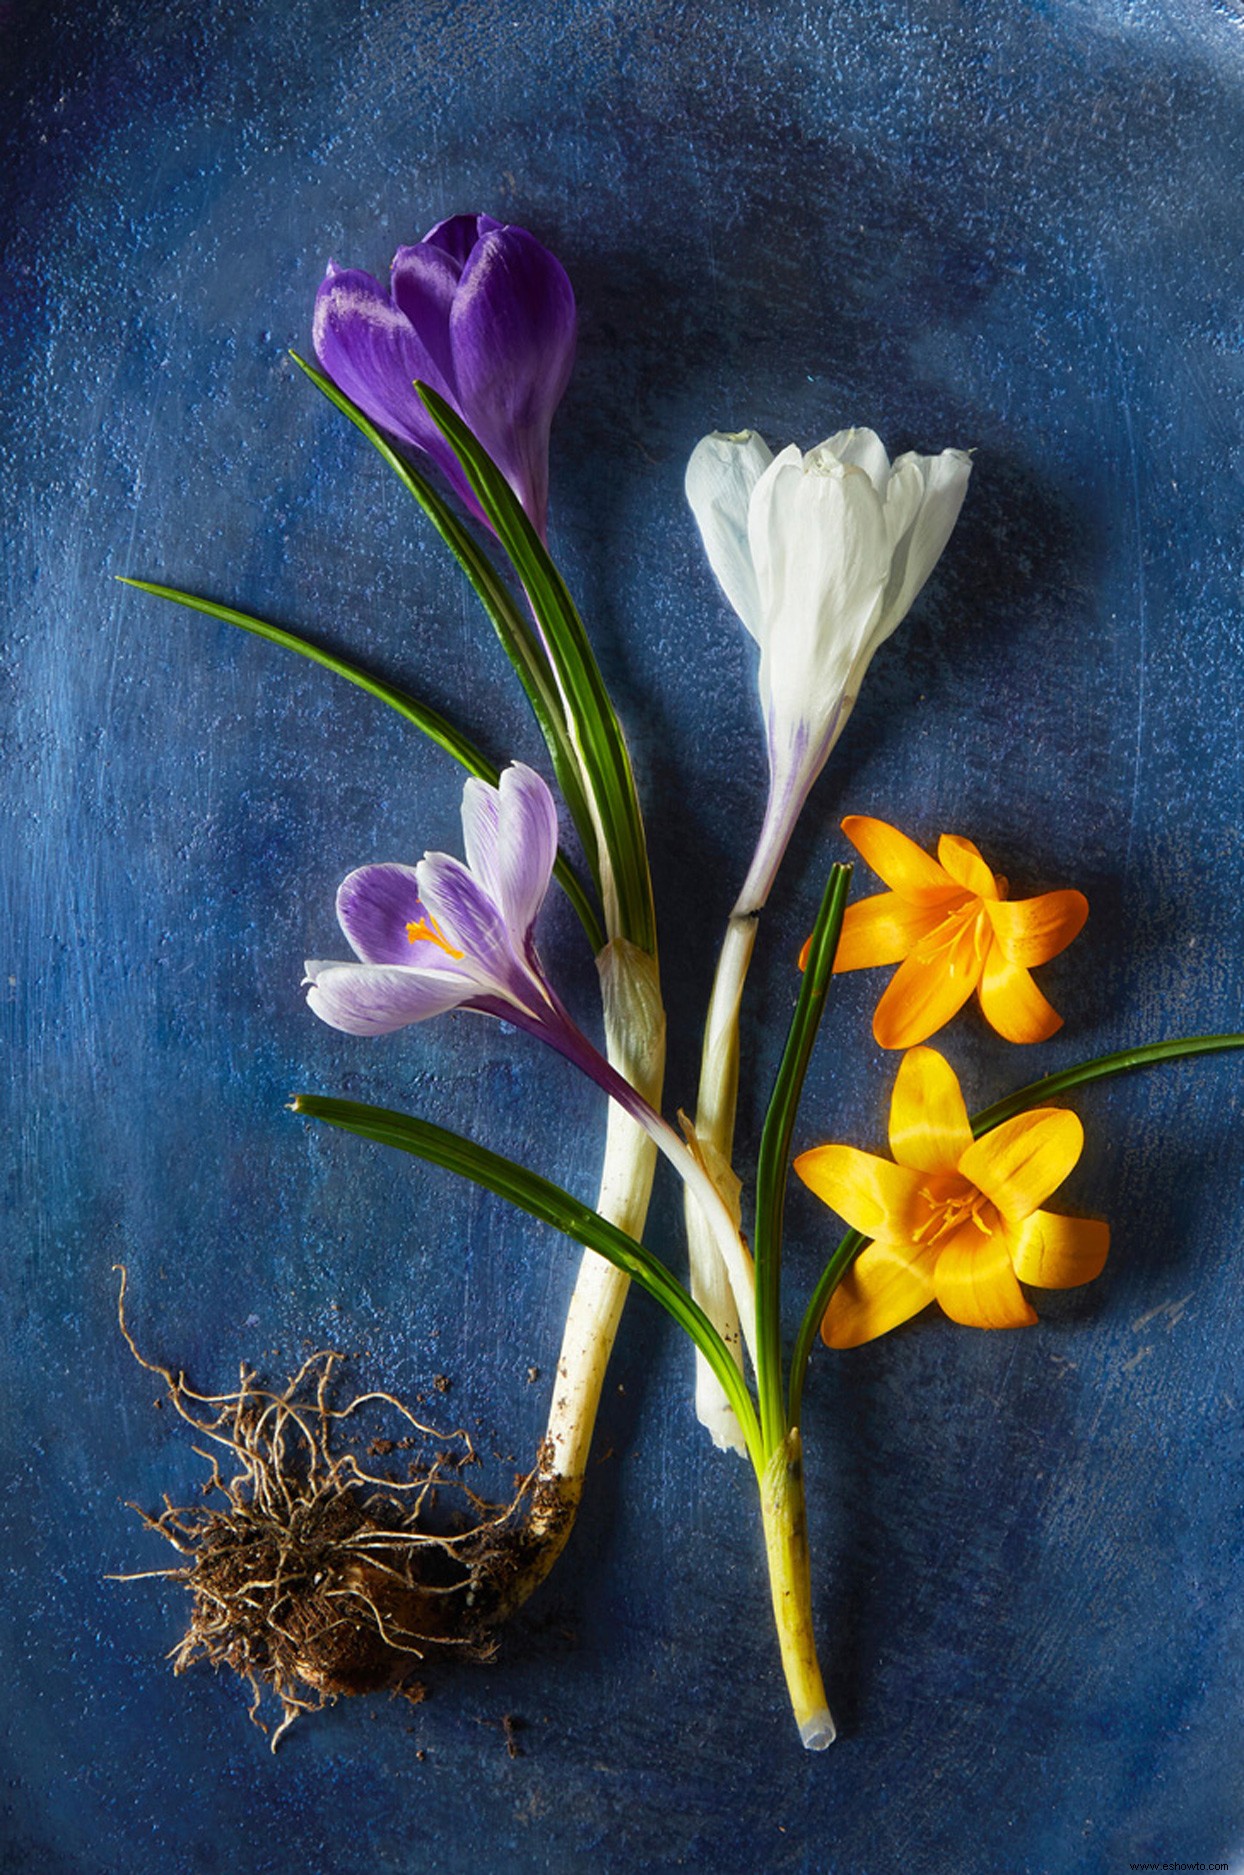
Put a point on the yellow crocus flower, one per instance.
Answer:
(953, 1219)
(948, 924)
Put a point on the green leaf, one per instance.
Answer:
(773, 1165)
(430, 721)
(1101, 1068)
(593, 723)
(520, 643)
(548, 1202)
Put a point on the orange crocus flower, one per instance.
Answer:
(953, 1219)
(950, 927)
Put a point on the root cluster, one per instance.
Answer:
(310, 1575)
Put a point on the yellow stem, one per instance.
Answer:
(790, 1580)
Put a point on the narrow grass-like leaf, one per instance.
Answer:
(520, 643)
(548, 1202)
(1101, 1068)
(773, 1164)
(430, 721)
(592, 719)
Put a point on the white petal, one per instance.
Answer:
(821, 552)
(865, 450)
(722, 472)
(918, 551)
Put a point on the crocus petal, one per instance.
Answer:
(976, 1285)
(945, 485)
(376, 908)
(512, 328)
(818, 542)
(1032, 930)
(885, 1286)
(963, 861)
(458, 234)
(929, 1128)
(1011, 1002)
(905, 867)
(882, 930)
(372, 352)
(424, 280)
(375, 999)
(926, 990)
(723, 470)
(471, 922)
(1018, 1164)
(510, 837)
(872, 1195)
(863, 449)
(1054, 1252)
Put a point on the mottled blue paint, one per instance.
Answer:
(1017, 229)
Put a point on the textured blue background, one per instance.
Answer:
(1016, 229)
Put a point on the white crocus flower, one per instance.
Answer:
(821, 556)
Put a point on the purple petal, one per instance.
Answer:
(373, 353)
(472, 923)
(425, 280)
(375, 999)
(378, 907)
(511, 843)
(458, 234)
(512, 329)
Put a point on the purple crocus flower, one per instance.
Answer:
(442, 935)
(484, 314)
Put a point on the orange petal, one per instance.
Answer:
(905, 867)
(886, 1285)
(1012, 1004)
(975, 1284)
(1058, 1252)
(1032, 930)
(882, 930)
(963, 862)
(927, 990)
(875, 1197)
(1018, 1164)
(928, 1120)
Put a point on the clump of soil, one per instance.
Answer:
(311, 1575)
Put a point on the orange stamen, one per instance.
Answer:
(427, 931)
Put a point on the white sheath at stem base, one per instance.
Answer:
(635, 1042)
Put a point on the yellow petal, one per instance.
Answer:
(1032, 930)
(962, 860)
(875, 1197)
(975, 1284)
(886, 1285)
(1012, 1004)
(905, 867)
(882, 930)
(927, 990)
(1018, 1164)
(928, 1119)
(1058, 1252)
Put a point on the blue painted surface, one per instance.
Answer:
(1015, 229)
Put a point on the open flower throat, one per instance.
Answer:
(953, 1219)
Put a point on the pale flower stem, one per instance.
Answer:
(714, 1126)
